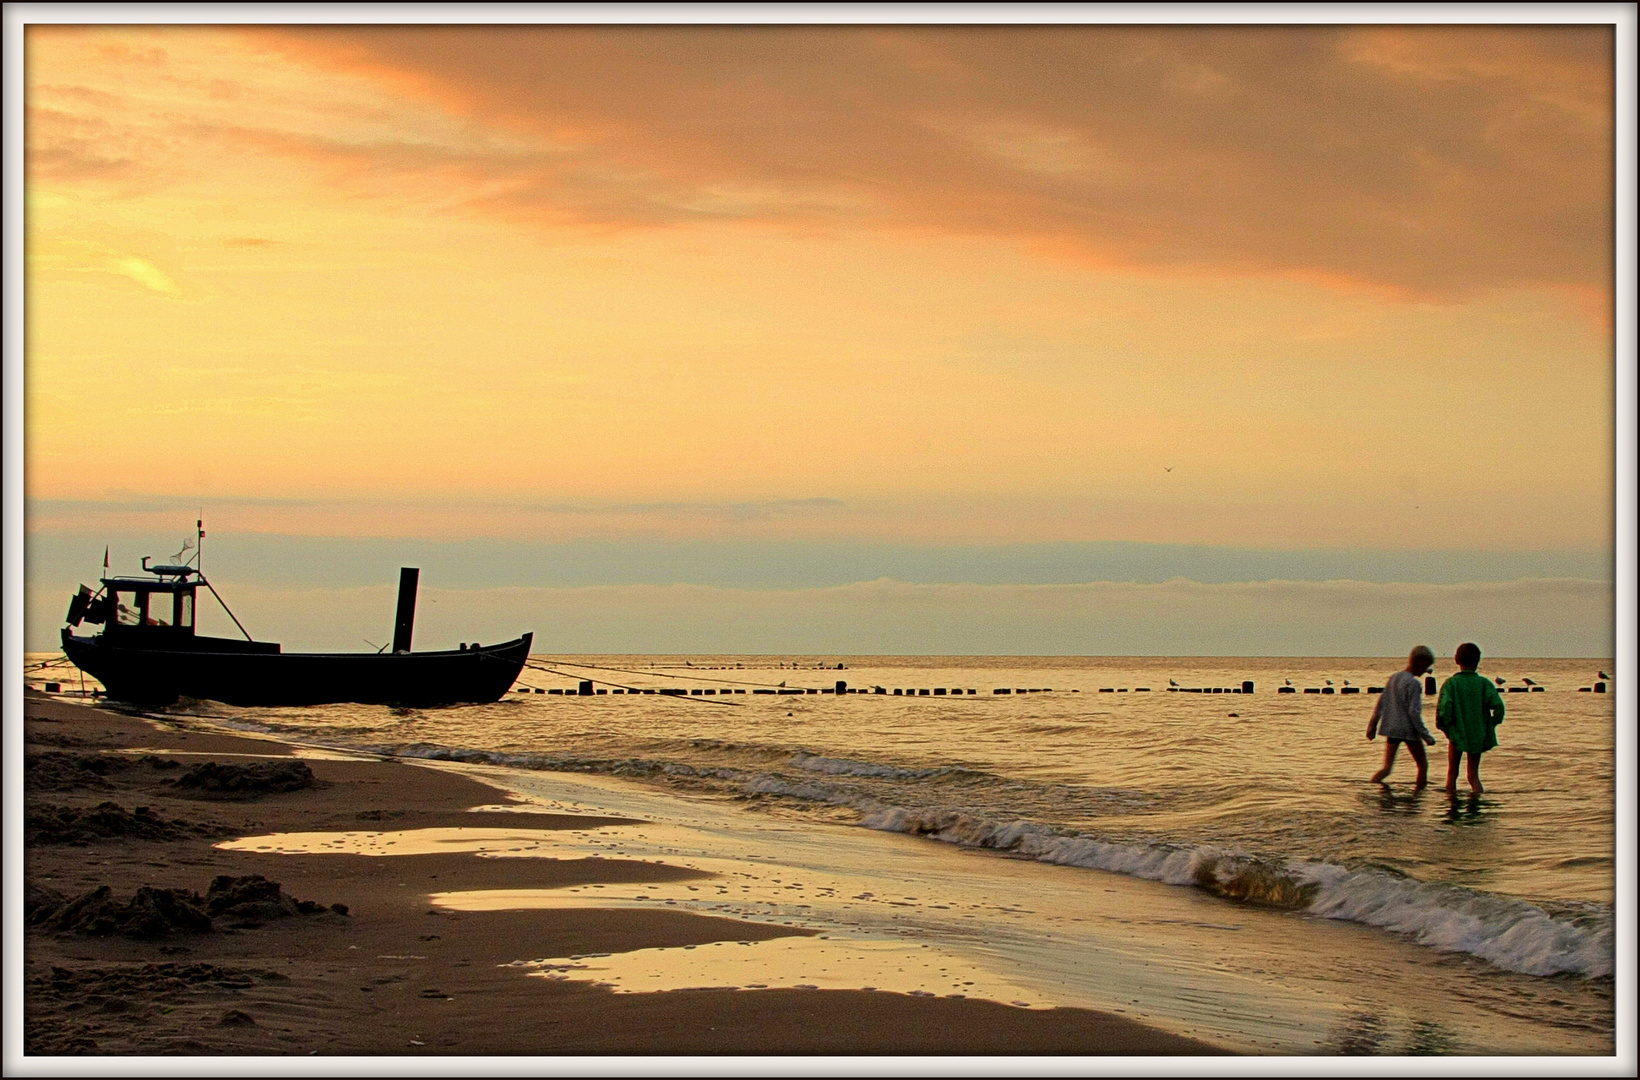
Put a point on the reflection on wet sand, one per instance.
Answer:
(477, 841)
(825, 962)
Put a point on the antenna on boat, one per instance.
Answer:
(199, 553)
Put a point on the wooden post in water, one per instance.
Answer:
(405, 622)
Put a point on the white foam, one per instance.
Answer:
(1509, 933)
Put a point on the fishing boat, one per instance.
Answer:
(149, 653)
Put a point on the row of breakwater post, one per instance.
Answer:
(1246, 687)
(41, 675)
(587, 688)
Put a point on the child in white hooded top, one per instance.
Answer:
(1398, 715)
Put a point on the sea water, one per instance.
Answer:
(1131, 834)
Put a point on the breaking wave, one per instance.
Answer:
(1507, 932)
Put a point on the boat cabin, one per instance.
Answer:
(149, 609)
(153, 613)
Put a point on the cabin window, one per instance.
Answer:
(125, 607)
(185, 609)
(159, 607)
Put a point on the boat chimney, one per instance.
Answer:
(405, 622)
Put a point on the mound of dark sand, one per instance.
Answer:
(78, 825)
(246, 781)
(40, 901)
(253, 899)
(156, 913)
(57, 771)
(150, 914)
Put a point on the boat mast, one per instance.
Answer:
(199, 567)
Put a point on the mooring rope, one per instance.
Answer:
(537, 666)
(671, 675)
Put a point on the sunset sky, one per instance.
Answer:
(769, 315)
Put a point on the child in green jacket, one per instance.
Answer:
(1469, 711)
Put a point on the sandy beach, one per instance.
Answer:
(286, 972)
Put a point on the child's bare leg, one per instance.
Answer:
(1452, 756)
(1389, 760)
(1475, 774)
(1416, 749)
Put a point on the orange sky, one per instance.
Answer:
(1230, 285)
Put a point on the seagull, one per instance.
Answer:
(1346, 682)
(1327, 681)
(1286, 682)
(1528, 682)
(1603, 675)
(1172, 682)
(1497, 680)
(1167, 468)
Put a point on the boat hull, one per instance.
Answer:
(160, 676)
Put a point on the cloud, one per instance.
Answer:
(144, 273)
(1425, 161)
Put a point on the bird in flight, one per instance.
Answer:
(1167, 468)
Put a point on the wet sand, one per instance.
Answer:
(394, 974)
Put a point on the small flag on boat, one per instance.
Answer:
(105, 558)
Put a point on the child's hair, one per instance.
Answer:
(1423, 655)
(1469, 655)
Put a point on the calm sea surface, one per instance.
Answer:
(1253, 811)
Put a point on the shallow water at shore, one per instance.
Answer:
(902, 915)
(1251, 810)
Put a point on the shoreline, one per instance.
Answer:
(397, 974)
